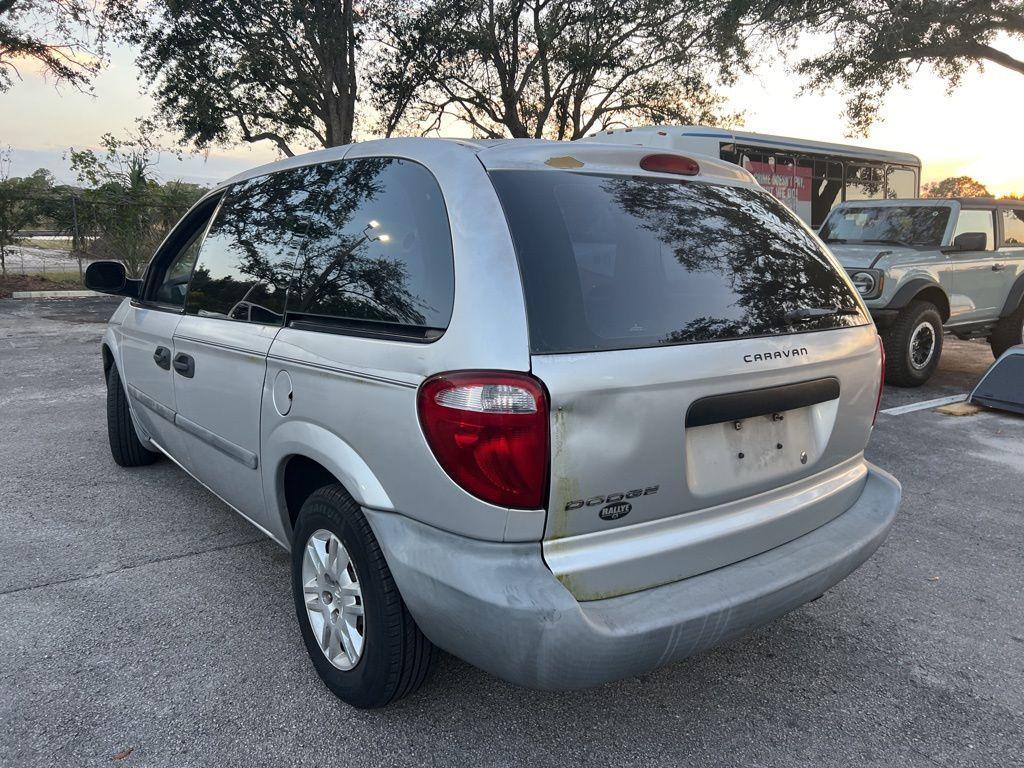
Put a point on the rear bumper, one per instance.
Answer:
(499, 607)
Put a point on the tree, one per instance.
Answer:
(550, 68)
(250, 70)
(64, 37)
(955, 186)
(879, 44)
(19, 203)
(124, 209)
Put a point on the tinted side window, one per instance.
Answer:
(1013, 226)
(175, 263)
(245, 263)
(378, 251)
(976, 221)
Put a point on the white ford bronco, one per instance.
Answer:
(924, 266)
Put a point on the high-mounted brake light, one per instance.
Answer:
(489, 431)
(881, 383)
(683, 166)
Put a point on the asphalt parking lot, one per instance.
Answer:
(143, 623)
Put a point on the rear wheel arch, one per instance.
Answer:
(318, 453)
(302, 476)
(1008, 332)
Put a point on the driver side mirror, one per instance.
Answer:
(111, 277)
(968, 241)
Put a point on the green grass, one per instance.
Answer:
(46, 245)
(51, 281)
(60, 277)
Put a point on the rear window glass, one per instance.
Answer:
(378, 251)
(1013, 226)
(922, 225)
(620, 262)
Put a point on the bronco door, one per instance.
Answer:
(978, 276)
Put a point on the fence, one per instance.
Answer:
(59, 234)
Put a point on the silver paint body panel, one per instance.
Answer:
(617, 422)
(500, 608)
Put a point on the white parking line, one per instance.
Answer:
(899, 410)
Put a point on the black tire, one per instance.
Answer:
(395, 656)
(903, 366)
(125, 446)
(1009, 332)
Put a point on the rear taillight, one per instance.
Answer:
(489, 432)
(881, 382)
(683, 166)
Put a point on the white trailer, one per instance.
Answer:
(811, 177)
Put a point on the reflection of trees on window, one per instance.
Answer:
(1013, 226)
(864, 182)
(378, 248)
(365, 239)
(245, 265)
(909, 225)
(744, 237)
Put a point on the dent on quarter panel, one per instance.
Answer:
(565, 486)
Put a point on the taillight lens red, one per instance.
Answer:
(683, 166)
(881, 383)
(489, 432)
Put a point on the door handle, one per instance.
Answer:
(185, 365)
(998, 267)
(162, 357)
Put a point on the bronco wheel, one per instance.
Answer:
(362, 640)
(1009, 332)
(913, 345)
(125, 446)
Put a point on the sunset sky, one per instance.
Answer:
(974, 131)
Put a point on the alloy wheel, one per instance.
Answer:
(333, 599)
(922, 345)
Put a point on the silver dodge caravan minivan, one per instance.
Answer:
(567, 411)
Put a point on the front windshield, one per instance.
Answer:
(896, 224)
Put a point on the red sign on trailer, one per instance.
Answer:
(790, 183)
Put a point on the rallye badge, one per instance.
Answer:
(615, 511)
